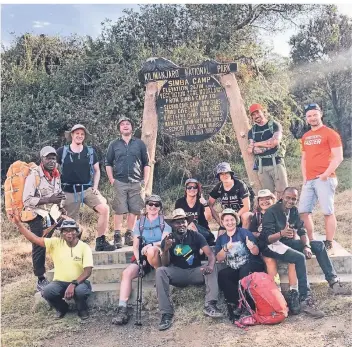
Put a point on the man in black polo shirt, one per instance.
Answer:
(127, 166)
(182, 267)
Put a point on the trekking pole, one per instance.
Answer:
(139, 295)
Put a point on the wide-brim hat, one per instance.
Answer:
(123, 118)
(178, 213)
(230, 211)
(223, 168)
(154, 198)
(264, 193)
(76, 127)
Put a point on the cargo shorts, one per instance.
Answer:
(89, 198)
(128, 197)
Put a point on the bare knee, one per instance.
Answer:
(152, 253)
(130, 272)
(271, 265)
(102, 209)
(246, 218)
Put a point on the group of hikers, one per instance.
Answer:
(249, 239)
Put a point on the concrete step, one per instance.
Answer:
(120, 256)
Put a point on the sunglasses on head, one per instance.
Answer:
(311, 107)
(192, 187)
(155, 204)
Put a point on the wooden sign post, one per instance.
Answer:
(192, 105)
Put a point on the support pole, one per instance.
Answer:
(150, 128)
(240, 125)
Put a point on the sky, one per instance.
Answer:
(85, 19)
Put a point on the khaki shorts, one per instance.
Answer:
(269, 181)
(128, 198)
(89, 198)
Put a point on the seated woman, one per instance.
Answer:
(152, 228)
(266, 199)
(237, 247)
(194, 204)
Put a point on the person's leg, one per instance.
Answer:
(292, 277)
(38, 253)
(325, 191)
(153, 256)
(82, 292)
(228, 283)
(53, 293)
(71, 206)
(131, 221)
(306, 205)
(246, 219)
(318, 248)
(120, 207)
(266, 179)
(281, 181)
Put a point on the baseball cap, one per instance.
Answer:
(255, 107)
(47, 150)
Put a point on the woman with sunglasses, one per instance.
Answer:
(151, 229)
(265, 200)
(193, 203)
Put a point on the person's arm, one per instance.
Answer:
(219, 251)
(251, 243)
(28, 234)
(250, 142)
(136, 241)
(96, 178)
(253, 226)
(145, 162)
(274, 140)
(209, 268)
(215, 215)
(246, 206)
(109, 163)
(336, 160)
(303, 167)
(146, 174)
(166, 244)
(269, 234)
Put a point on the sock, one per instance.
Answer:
(122, 303)
(294, 287)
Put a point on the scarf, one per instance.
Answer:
(55, 173)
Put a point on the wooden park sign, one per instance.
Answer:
(192, 105)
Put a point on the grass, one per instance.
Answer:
(25, 323)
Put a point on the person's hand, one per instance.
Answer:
(95, 191)
(16, 218)
(56, 198)
(249, 243)
(70, 291)
(207, 269)
(287, 232)
(229, 244)
(63, 211)
(145, 249)
(250, 147)
(256, 234)
(168, 242)
(260, 228)
(307, 252)
(323, 177)
(192, 226)
(202, 200)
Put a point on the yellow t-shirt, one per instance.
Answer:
(68, 262)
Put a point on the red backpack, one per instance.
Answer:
(270, 305)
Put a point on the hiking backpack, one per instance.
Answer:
(66, 150)
(13, 189)
(270, 304)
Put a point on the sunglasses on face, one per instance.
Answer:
(67, 231)
(180, 221)
(192, 187)
(155, 204)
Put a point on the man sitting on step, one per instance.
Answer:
(73, 263)
(280, 223)
(182, 267)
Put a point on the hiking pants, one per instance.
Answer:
(182, 278)
(55, 291)
(229, 278)
(38, 253)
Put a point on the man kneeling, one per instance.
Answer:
(182, 267)
(73, 262)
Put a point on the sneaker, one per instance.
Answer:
(212, 310)
(308, 306)
(337, 288)
(41, 284)
(83, 314)
(102, 245)
(234, 312)
(166, 321)
(293, 302)
(122, 317)
(117, 240)
(329, 247)
(128, 238)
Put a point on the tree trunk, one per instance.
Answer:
(240, 125)
(150, 128)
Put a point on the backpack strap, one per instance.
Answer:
(161, 223)
(141, 224)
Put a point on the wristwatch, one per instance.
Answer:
(307, 246)
(75, 283)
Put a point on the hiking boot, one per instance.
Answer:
(128, 238)
(122, 317)
(62, 313)
(102, 245)
(308, 306)
(234, 312)
(41, 284)
(329, 247)
(83, 314)
(212, 310)
(166, 321)
(293, 302)
(117, 240)
(337, 288)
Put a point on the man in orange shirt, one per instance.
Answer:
(321, 155)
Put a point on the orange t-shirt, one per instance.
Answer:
(317, 147)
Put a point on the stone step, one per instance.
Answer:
(120, 256)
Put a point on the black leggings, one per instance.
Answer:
(228, 279)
